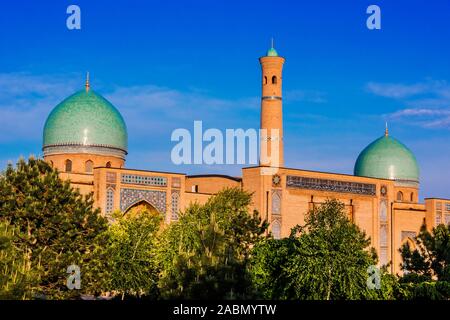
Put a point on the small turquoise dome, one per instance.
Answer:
(85, 119)
(272, 52)
(387, 158)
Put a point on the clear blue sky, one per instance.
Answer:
(164, 64)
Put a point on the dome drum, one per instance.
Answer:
(406, 183)
(74, 148)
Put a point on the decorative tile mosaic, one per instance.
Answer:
(175, 204)
(145, 180)
(109, 200)
(129, 197)
(330, 185)
(93, 149)
(86, 118)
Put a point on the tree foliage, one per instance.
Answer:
(206, 253)
(215, 251)
(17, 279)
(56, 224)
(132, 254)
(431, 255)
(269, 263)
(326, 258)
(427, 266)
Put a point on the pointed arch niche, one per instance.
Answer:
(141, 207)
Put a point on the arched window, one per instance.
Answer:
(274, 80)
(399, 196)
(265, 80)
(68, 165)
(412, 196)
(383, 233)
(383, 212)
(276, 230)
(108, 164)
(88, 166)
(276, 203)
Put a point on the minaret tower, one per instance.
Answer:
(271, 109)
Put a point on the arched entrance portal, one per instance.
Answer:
(141, 207)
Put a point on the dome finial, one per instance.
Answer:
(87, 82)
(386, 130)
(272, 52)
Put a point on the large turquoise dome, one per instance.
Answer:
(387, 158)
(85, 122)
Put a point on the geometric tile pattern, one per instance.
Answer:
(109, 200)
(145, 180)
(175, 204)
(129, 197)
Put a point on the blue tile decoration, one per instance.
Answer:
(175, 204)
(129, 197)
(144, 180)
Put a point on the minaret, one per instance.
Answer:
(271, 108)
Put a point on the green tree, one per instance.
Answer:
(17, 279)
(431, 257)
(327, 258)
(132, 248)
(269, 261)
(58, 225)
(427, 266)
(205, 254)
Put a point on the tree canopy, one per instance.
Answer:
(56, 224)
(217, 250)
(326, 258)
(16, 276)
(206, 253)
(426, 267)
(132, 248)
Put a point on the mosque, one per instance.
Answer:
(85, 138)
